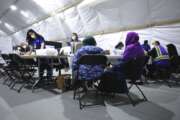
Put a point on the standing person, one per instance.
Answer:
(36, 41)
(74, 37)
(75, 43)
(146, 46)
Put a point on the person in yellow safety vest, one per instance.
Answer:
(159, 55)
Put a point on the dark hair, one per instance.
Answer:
(172, 50)
(157, 42)
(77, 38)
(28, 37)
(89, 40)
(145, 41)
(119, 45)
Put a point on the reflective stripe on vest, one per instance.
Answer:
(160, 56)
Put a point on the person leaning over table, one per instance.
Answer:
(75, 43)
(86, 71)
(36, 41)
(115, 75)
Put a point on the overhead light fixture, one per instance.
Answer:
(24, 13)
(10, 27)
(2, 32)
(13, 7)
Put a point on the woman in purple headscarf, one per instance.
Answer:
(115, 77)
(133, 48)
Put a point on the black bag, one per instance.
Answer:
(113, 82)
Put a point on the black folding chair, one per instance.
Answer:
(8, 68)
(24, 71)
(2, 74)
(133, 70)
(91, 60)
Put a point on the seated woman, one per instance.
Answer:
(160, 58)
(133, 48)
(114, 77)
(159, 55)
(119, 49)
(86, 72)
(173, 57)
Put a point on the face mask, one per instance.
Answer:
(153, 46)
(33, 36)
(24, 46)
(74, 37)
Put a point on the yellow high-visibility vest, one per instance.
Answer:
(160, 56)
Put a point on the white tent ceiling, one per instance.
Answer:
(56, 19)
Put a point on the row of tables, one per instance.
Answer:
(38, 58)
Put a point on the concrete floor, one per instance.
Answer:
(163, 104)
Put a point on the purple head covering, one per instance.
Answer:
(133, 48)
(132, 38)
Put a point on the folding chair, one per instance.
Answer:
(133, 70)
(91, 60)
(24, 71)
(8, 68)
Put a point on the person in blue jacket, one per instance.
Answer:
(36, 41)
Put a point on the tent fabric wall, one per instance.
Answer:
(109, 17)
(164, 34)
(6, 44)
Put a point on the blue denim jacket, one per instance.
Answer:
(87, 72)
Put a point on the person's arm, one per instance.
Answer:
(42, 42)
(42, 45)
